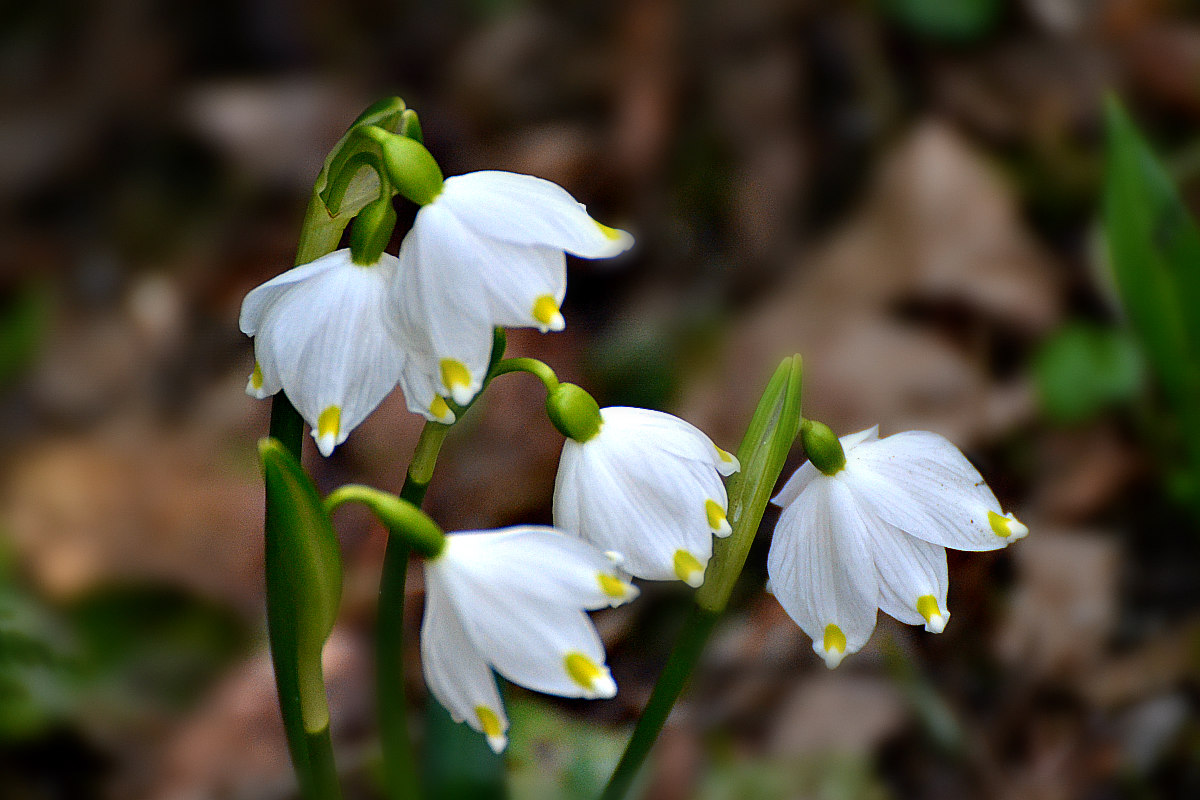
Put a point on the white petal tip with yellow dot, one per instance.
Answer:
(714, 512)
(619, 591)
(492, 728)
(935, 618)
(594, 679)
(1007, 527)
(547, 315)
(327, 434)
(832, 647)
(689, 569)
(255, 386)
(458, 381)
(440, 411)
(727, 463)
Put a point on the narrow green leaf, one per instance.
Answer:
(1154, 252)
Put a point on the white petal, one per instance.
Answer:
(328, 342)
(821, 572)
(255, 304)
(643, 504)
(444, 310)
(923, 485)
(913, 577)
(551, 567)
(667, 433)
(806, 471)
(534, 636)
(525, 210)
(455, 672)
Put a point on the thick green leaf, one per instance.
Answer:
(304, 576)
(763, 450)
(1084, 369)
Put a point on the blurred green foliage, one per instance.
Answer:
(954, 21)
(555, 756)
(133, 652)
(1154, 253)
(1084, 369)
(24, 319)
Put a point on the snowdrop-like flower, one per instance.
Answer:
(873, 535)
(324, 333)
(648, 486)
(515, 600)
(488, 251)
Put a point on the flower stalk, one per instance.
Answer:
(762, 453)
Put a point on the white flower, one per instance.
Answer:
(324, 333)
(515, 600)
(647, 486)
(874, 536)
(488, 252)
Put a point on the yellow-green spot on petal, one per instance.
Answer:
(582, 670)
(455, 373)
(330, 421)
(256, 377)
(716, 518)
(688, 568)
(457, 379)
(546, 313)
(439, 408)
(612, 234)
(834, 640)
(724, 455)
(1006, 526)
(935, 620)
(612, 586)
(488, 721)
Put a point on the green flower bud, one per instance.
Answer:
(822, 446)
(574, 412)
(411, 168)
(371, 231)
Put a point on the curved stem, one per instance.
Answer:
(403, 519)
(531, 365)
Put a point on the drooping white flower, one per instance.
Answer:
(647, 486)
(488, 251)
(515, 600)
(874, 536)
(324, 333)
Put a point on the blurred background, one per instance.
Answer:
(907, 192)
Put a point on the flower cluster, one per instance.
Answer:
(639, 493)
(488, 250)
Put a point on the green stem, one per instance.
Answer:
(531, 365)
(763, 450)
(674, 677)
(399, 769)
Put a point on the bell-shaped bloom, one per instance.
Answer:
(515, 600)
(648, 487)
(324, 332)
(487, 252)
(874, 536)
